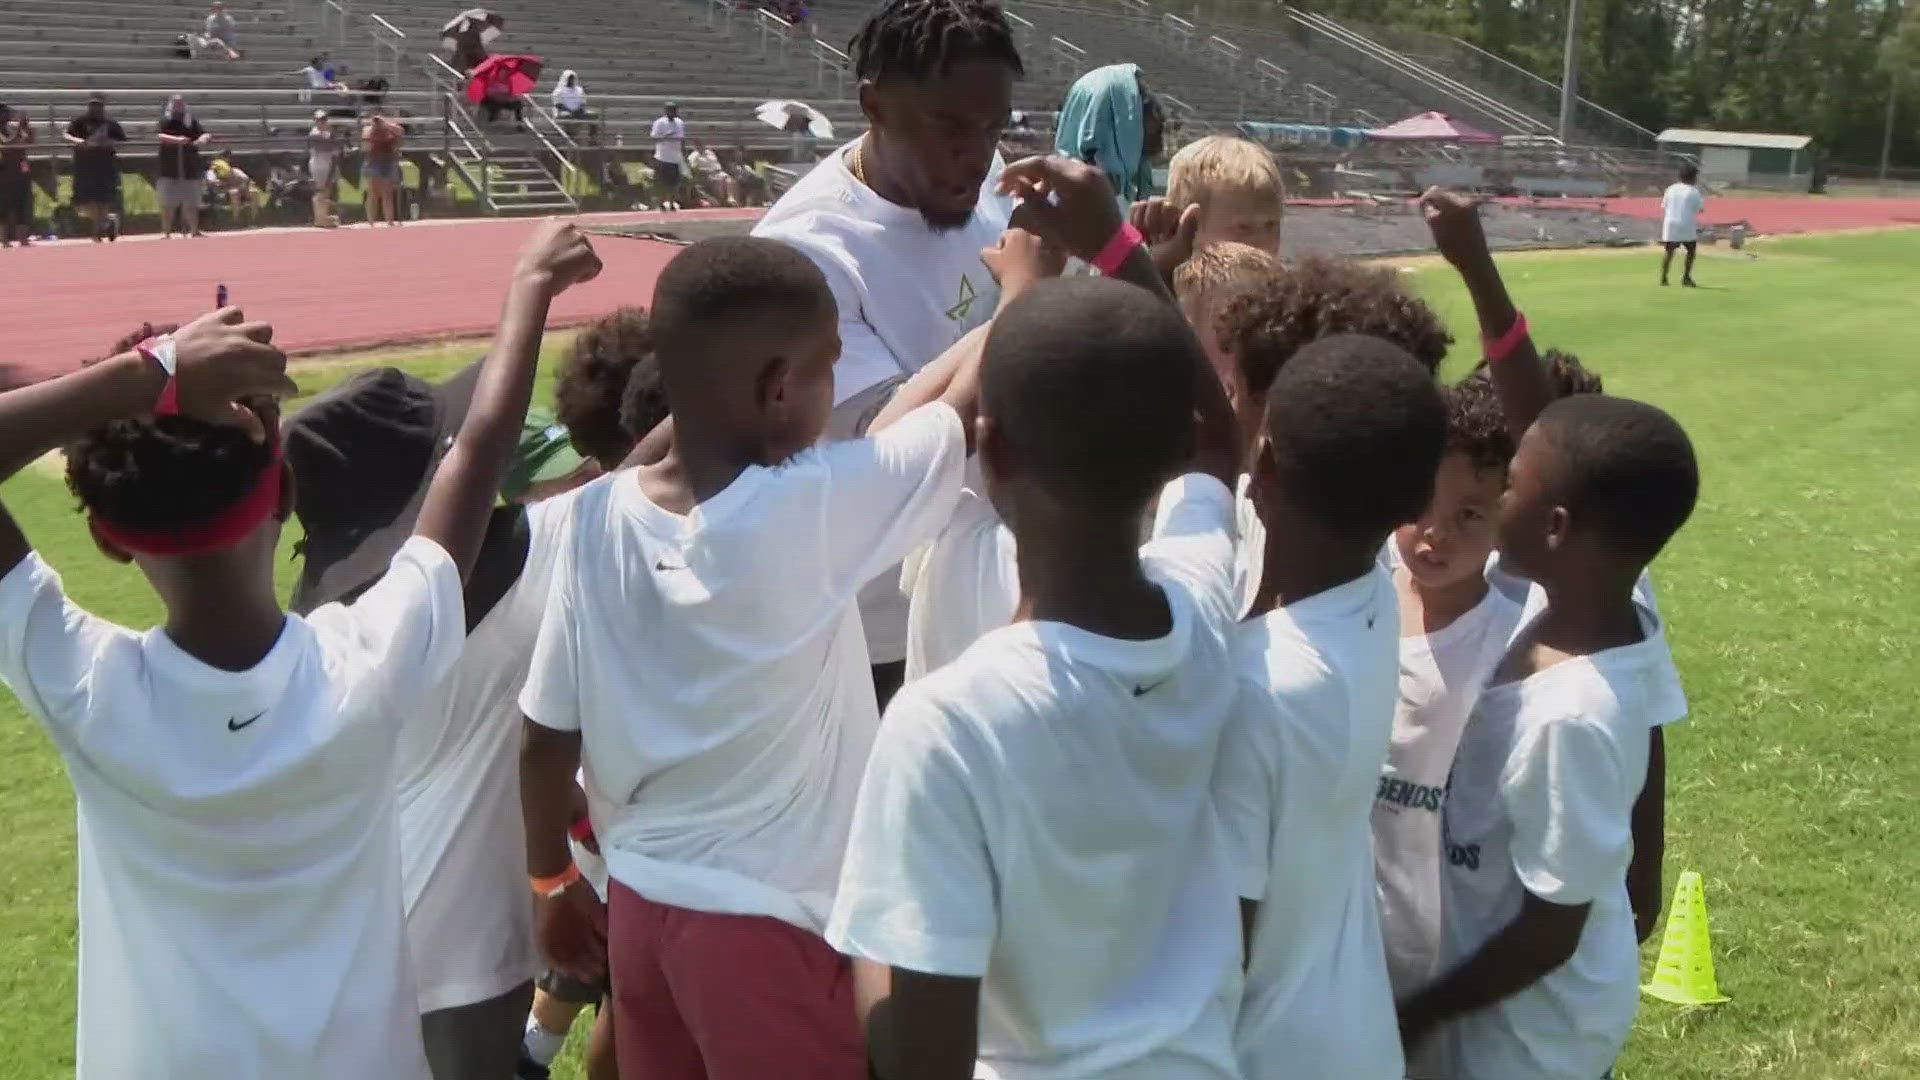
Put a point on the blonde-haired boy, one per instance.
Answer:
(1238, 187)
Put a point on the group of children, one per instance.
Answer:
(1272, 710)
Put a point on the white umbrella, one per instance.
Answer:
(776, 114)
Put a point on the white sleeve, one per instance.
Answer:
(400, 638)
(1193, 532)
(1246, 791)
(959, 586)
(1568, 795)
(551, 696)
(917, 888)
(48, 644)
(889, 492)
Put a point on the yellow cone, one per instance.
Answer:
(1684, 973)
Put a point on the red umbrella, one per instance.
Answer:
(513, 75)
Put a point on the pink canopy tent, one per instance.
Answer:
(1432, 127)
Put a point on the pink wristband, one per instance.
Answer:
(1498, 349)
(1119, 249)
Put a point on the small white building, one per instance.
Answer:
(1747, 158)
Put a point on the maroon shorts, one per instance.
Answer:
(700, 996)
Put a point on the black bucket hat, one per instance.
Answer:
(362, 455)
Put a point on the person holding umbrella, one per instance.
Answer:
(499, 83)
(468, 34)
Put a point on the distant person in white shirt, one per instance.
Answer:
(1680, 222)
(897, 220)
(1353, 434)
(233, 768)
(669, 154)
(1036, 879)
(701, 654)
(219, 32)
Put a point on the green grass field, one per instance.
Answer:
(1791, 786)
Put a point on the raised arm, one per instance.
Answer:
(1071, 204)
(1519, 378)
(454, 514)
(220, 358)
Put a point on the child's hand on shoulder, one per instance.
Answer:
(1068, 202)
(221, 359)
(1169, 231)
(1020, 259)
(558, 257)
(1454, 220)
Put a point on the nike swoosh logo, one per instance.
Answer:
(1143, 691)
(231, 726)
(662, 565)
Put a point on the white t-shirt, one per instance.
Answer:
(1441, 675)
(712, 663)
(906, 293)
(316, 78)
(463, 853)
(1680, 213)
(1667, 704)
(1250, 545)
(669, 135)
(960, 585)
(573, 98)
(1038, 815)
(1298, 770)
(1543, 790)
(240, 908)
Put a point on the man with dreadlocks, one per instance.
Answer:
(897, 219)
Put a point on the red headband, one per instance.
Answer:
(226, 529)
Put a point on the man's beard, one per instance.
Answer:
(947, 222)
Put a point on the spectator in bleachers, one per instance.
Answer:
(709, 179)
(499, 97)
(219, 33)
(323, 167)
(94, 137)
(233, 186)
(319, 77)
(16, 178)
(749, 187)
(569, 97)
(381, 139)
(178, 182)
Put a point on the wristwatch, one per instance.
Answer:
(160, 350)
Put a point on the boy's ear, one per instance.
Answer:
(992, 448)
(114, 552)
(770, 386)
(1559, 528)
(288, 496)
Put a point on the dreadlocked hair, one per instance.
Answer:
(593, 379)
(922, 39)
(163, 472)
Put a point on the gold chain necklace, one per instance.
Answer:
(859, 163)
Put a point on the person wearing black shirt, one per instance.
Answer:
(181, 181)
(96, 167)
(16, 183)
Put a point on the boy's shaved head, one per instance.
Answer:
(1623, 468)
(745, 330)
(1355, 430)
(1265, 320)
(1087, 385)
(729, 283)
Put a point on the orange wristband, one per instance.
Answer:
(553, 886)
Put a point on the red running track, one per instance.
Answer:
(68, 301)
(1775, 214)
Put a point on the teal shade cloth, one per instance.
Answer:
(1102, 123)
